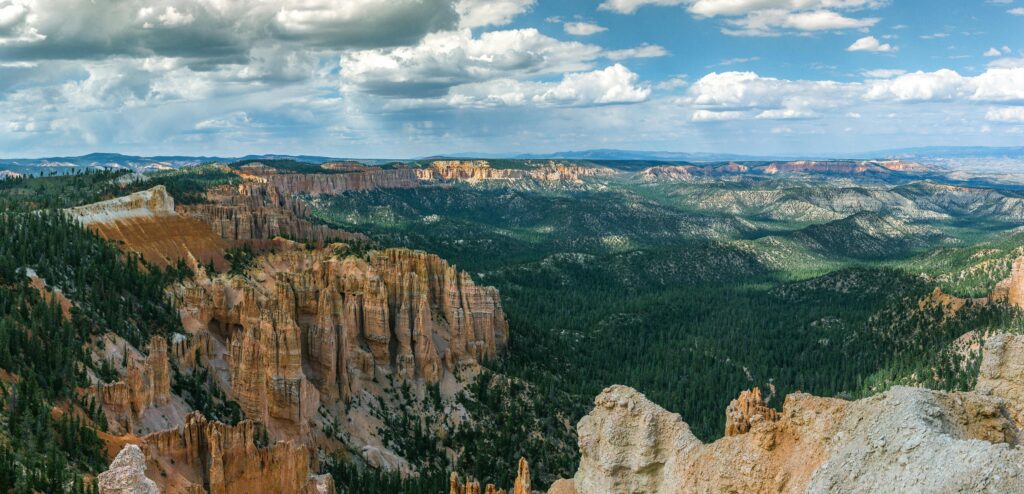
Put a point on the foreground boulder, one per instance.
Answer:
(127, 474)
(903, 440)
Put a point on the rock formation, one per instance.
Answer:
(522, 483)
(127, 474)
(748, 408)
(903, 440)
(146, 385)
(312, 327)
(481, 171)
(215, 458)
(1011, 290)
(1002, 373)
(336, 183)
(146, 222)
(260, 211)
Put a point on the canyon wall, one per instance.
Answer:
(211, 457)
(141, 400)
(311, 327)
(146, 222)
(337, 183)
(254, 211)
(481, 171)
(903, 440)
(1011, 290)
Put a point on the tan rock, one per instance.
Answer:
(311, 327)
(1011, 290)
(523, 484)
(257, 211)
(1002, 373)
(145, 385)
(226, 459)
(127, 474)
(903, 440)
(749, 407)
(563, 486)
(146, 223)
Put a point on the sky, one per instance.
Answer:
(409, 78)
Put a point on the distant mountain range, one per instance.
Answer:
(968, 157)
(138, 163)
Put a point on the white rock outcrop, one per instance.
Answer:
(127, 474)
(907, 440)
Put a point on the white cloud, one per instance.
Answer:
(478, 13)
(772, 22)
(870, 43)
(631, 6)
(615, 84)
(583, 28)
(715, 116)
(771, 98)
(1013, 114)
(883, 73)
(993, 85)
(642, 51)
(942, 84)
(1017, 11)
(992, 52)
(447, 59)
(612, 85)
(766, 17)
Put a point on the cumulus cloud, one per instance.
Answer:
(766, 17)
(631, 6)
(883, 73)
(478, 13)
(642, 51)
(993, 85)
(209, 31)
(871, 43)
(615, 84)
(443, 60)
(583, 28)
(766, 97)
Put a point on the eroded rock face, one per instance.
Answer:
(1002, 373)
(312, 327)
(146, 222)
(522, 483)
(481, 171)
(748, 408)
(127, 474)
(208, 456)
(1011, 290)
(256, 210)
(904, 440)
(335, 183)
(146, 385)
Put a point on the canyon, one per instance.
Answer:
(306, 341)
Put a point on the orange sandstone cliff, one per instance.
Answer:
(147, 223)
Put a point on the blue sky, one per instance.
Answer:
(404, 78)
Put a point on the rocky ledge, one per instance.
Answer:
(908, 440)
